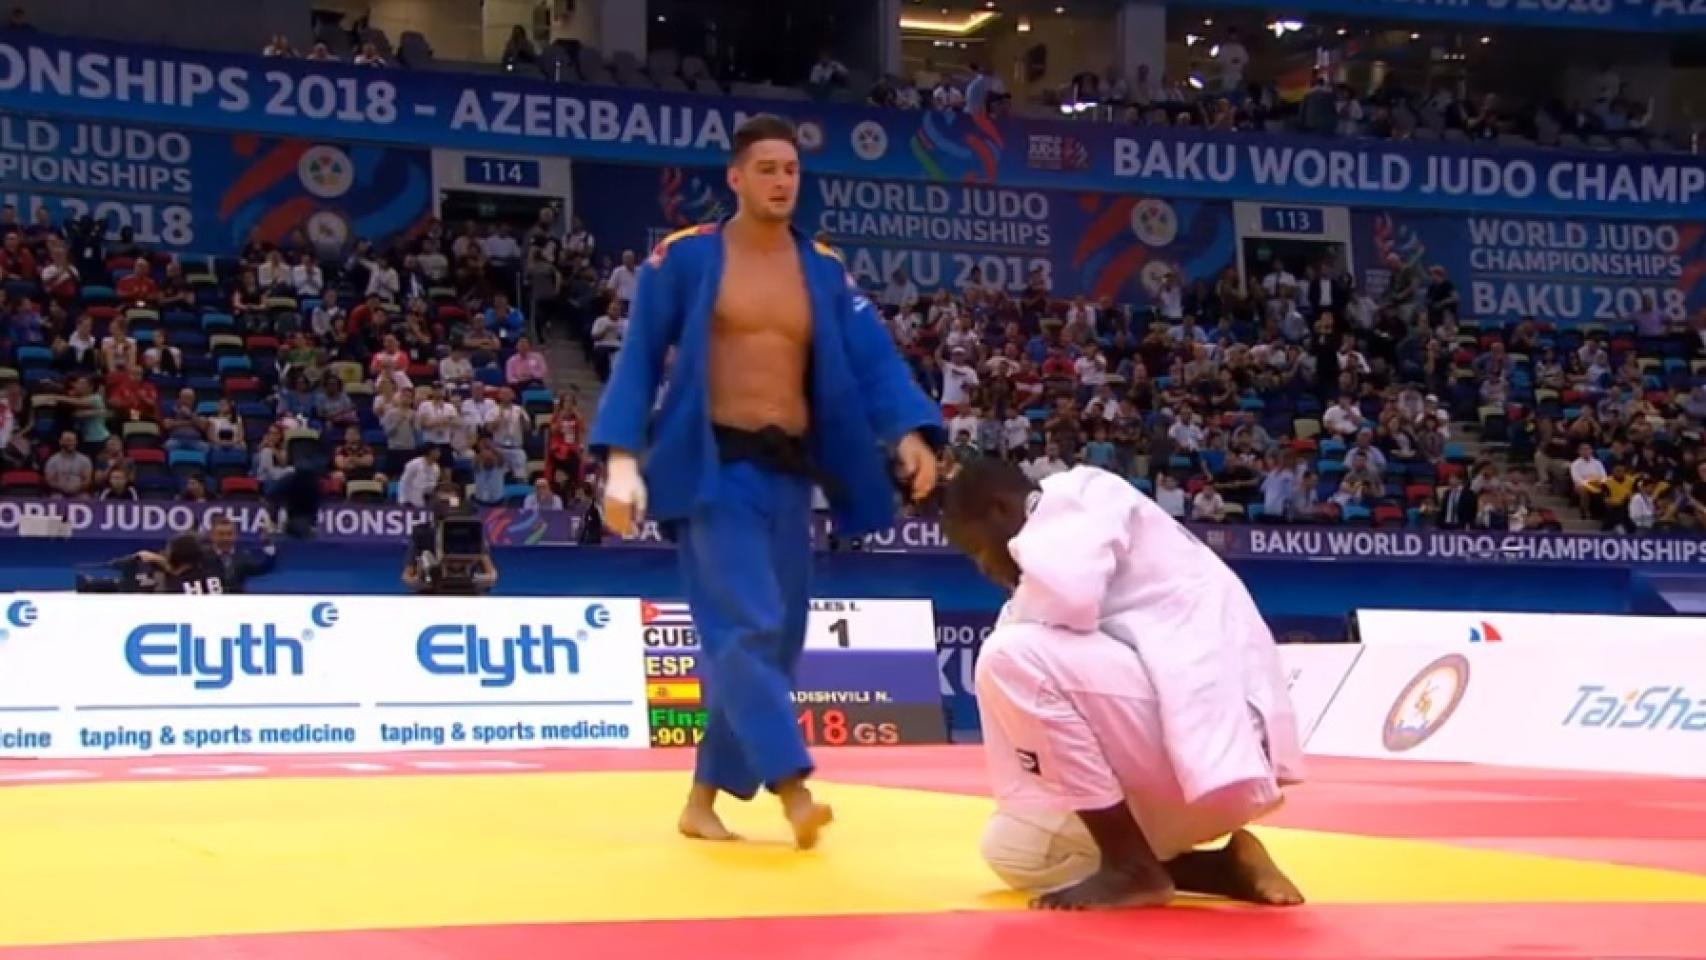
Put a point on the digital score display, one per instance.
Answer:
(868, 675)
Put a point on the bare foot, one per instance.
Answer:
(1260, 879)
(806, 816)
(702, 823)
(1110, 890)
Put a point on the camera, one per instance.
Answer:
(457, 562)
(461, 552)
(134, 576)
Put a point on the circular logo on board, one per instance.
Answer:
(1426, 703)
(326, 172)
(870, 140)
(1154, 222)
(328, 230)
(810, 135)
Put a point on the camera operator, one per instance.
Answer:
(448, 554)
(134, 575)
(185, 567)
(236, 564)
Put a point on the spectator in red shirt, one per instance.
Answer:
(563, 448)
(139, 288)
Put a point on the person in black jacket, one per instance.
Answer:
(235, 563)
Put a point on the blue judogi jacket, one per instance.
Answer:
(862, 395)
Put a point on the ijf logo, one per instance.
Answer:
(20, 615)
(1155, 222)
(870, 140)
(1426, 703)
(326, 172)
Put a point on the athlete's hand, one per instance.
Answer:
(624, 495)
(917, 465)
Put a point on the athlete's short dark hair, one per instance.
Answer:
(761, 127)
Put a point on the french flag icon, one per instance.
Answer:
(1485, 633)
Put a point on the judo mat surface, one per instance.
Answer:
(573, 854)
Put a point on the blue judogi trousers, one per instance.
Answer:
(746, 563)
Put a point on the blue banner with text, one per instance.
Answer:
(1552, 269)
(187, 191)
(942, 235)
(42, 74)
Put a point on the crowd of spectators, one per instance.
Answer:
(1302, 398)
(126, 374)
(1223, 97)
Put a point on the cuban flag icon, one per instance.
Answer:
(662, 614)
(1485, 633)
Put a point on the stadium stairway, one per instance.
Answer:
(571, 368)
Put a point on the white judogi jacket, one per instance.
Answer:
(1097, 554)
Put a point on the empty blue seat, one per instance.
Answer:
(33, 356)
(187, 458)
(227, 365)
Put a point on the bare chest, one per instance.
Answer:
(763, 294)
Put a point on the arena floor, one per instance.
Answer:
(571, 854)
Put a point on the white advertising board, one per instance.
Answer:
(1314, 672)
(1447, 626)
(115, 675)
(1636, 705)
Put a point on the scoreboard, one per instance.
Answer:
(869, 675)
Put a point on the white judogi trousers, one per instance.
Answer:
(1071, 722)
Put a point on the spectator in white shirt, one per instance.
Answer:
(500, 247)
(900, 292)
(306, 277)
(275, 275)
(1343, 419)
(1208, 504)
(456, 368)
(1643, 506)
(542, 497)
(827, 71)
(435, 418)
(1587, 476)
(327, 320)
(607, 334)
(1278, 279)
(580, 240)
(420, 477)
(1171, 298)
(509, 424)
(384, 282)
(1187, 432)
(480, 406)
(958, 379)
(1169, 496)
(1016, 432)
(624, 278)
